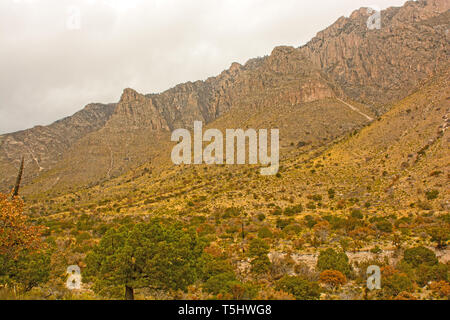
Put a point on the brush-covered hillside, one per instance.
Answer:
(363, 117)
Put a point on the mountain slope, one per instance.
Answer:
(143, 123)
(44, 146)
(347, 61)
(389, 164)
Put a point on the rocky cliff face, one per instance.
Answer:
(383, 65)
(284, 77)
(371, 66)
(135, 111)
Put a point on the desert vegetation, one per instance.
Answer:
(352, 191)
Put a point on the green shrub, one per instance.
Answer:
(310, 221)
(300, 288)
(440, 235)
(384, 226)
(283, 223)
(356, 213)
(335, 222)
(426, 273)
(396, 283)
(258, 250)
(290, 211)
(376, 250)
(158, 254)
(30, 269)
(292, 229)
(331, 193)
(83, 236)
(277, 211)
(265, 232)
(220, 283)
(420, 255)
(330, 259)
(260, 265)
(311, 205)
(432, 194)
(232, 212)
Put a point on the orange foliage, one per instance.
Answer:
(441, 288)
(332, 278)
(322, 225)
(361, 233)
(214, 250)
(16, 233)
(405, 296)
(238, 292)
(388, 271)
(321, 230)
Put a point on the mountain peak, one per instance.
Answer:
(281, 50)
(361, 12)
(130, 95)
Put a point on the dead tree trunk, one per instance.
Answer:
(18, 180)
(129, 293)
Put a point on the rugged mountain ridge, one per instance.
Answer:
(283, 77)
(44, 146)
(346, 60)
(143, 123)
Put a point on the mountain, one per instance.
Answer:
(310, 93)
(390, 164)
(44, 146)
(257, 91)
(363, 178)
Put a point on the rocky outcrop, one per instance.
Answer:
(380, 66)
(136, 111)
(284, 77)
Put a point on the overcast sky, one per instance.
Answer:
(56, 56)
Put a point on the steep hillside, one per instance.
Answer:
(391, 164)
(44, 146)
(347, 61)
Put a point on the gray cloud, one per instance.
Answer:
(49, 72)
